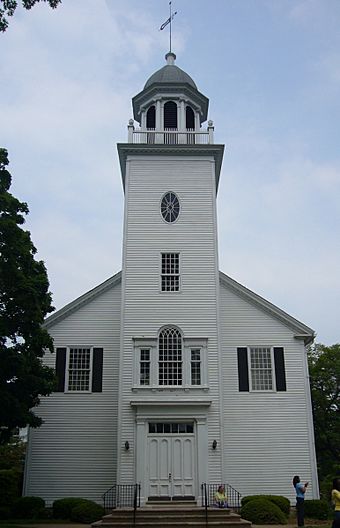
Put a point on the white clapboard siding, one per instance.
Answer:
(74, 453)
(267, 435)
(145, 309)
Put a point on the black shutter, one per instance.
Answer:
(97, 375)
(280, 371)
(242, 362)
(60, 365)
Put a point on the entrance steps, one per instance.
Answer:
(174, 515)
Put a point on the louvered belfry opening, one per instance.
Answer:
(190, 124)
(170, 122)
(151, 123)
(189, 118)
(151, 117)
(170, 115)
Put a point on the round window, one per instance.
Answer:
(170, 207)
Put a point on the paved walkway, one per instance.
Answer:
(74, 525)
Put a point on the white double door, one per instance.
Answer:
(171, 466)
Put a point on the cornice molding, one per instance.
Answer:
(127, 149)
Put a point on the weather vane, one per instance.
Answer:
(168, 21)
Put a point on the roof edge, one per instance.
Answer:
(301, 330)
(71, 307)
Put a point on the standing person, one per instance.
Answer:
(336, 501)
(300, 499)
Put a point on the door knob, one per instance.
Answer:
(169, 477)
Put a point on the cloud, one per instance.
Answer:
(68, 76)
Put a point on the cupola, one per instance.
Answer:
(171, 104)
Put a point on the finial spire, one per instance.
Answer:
(170, 58)
(168, 21)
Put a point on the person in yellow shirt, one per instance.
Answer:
(221, 500)
(336, 500)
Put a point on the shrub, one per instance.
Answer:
(316, 509)
(62, 507)
(9, 487)
(87, 512)
(262, 511)
(280, 501)
(325, 486)
(5, 512)
(29, 508)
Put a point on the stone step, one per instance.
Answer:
(160, 523)
(192, 513)
(171, 504)
(193, 517)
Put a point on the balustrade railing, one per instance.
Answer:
(171, 137)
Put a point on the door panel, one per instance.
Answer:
(171, 466)
(188, 462)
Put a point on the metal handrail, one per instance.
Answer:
(206, 504)
(233, 496)
(136, 502)
(122, 495)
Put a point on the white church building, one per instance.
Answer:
(170, 373)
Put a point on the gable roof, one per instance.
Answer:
(87, 297)
(301, 330)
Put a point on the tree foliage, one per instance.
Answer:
(8, 7)
(12, 455)
(324, 371)
(24, 303)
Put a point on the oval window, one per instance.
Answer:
(170, 207)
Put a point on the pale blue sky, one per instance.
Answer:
(271, 69)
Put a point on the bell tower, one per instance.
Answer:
(169, 397)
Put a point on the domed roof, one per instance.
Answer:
(170, 74)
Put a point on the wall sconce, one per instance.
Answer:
(214, 444)
(127, 445)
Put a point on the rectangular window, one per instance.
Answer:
(170, 272)
(79, 369)
(144, 366)
(195, 366)
(171, 428)
(261, 371)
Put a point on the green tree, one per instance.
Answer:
(24, 303)
(8, 7)
(324, 371)
(12, 455)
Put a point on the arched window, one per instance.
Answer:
(170, 357)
